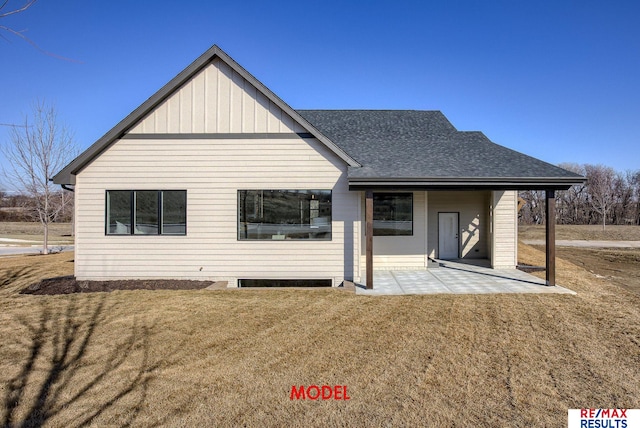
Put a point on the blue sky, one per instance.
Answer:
(558, 80)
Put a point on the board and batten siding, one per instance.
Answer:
(212, 172)
(473, 209)
(504, 245)
(217, 100)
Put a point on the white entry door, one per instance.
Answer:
(448, 236)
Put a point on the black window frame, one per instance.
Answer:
(394, 194)
(328, 235)
(132, 213)
(283, 283)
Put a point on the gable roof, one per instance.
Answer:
(424, 149)
(67, 174)
(381, 147)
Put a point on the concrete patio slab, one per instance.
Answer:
(454, 277)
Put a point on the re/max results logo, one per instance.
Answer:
(604, 418)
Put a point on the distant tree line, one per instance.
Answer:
(607, 197)
(23, 207)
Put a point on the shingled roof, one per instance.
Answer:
(423, 148)
(381, 147)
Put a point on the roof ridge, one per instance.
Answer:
(67, 174)
(371, 109)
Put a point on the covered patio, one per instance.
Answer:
(431, 191)
(455, 277)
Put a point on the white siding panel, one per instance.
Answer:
(286, 122)
(211, 99)
(504, 245)
(198, 105)
(212, 171)
(173, 114)
(398, 252)
(217, 99)
(186, 104)
(235, 104)
(162, 118)
(274, 118)
(249, 108)
(225, 74)
(262, 112)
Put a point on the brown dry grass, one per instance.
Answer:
(620, 266)
(58, 232)
(228, 358)
(588, 232)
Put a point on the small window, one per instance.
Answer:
(284, 214)
(284, 283)
(392, 214)
(146, 212)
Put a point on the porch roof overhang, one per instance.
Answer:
(464, 183)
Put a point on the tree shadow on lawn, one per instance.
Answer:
(11, 275)
(69, 368)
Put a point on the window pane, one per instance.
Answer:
(174, 212)
(284, 282)
(284, 214)
(118, 212)
(392, 214)
(146, 213)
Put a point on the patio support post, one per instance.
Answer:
(550, 215)
(368, 214)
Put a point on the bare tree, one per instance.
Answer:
(532, 211)
(600, 184)
(571, 203)
(37, 150)
(634, 181)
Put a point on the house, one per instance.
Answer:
(215, 177)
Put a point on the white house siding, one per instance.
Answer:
(473, 209)
(504, 245)
(212, 170)
(217, 100)
(398, 252)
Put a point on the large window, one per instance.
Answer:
(392, 214)
(284, 214)
(146, 212)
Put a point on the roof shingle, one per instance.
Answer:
(409, 144)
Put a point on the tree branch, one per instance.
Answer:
(20, 34)
(26, 6)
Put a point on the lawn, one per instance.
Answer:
(59, 233)
(588, 232)
(229, 358)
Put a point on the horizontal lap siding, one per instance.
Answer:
(397, 252)
(212, 171)
(473, 207)
(505, 229)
